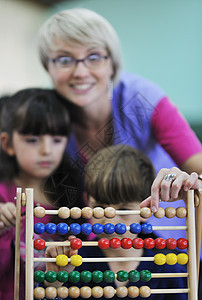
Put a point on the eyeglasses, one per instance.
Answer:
(91, 61)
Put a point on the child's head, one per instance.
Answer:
(30, 119)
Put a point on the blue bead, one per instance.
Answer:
(135, 228)
(109, 228)
(39, 228)
(97, 228)
(146, 228)
(62, 228)
(120, 228)
(74, 228)
(86, 228)
(51, 228)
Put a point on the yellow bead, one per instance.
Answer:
(171, 259)
(145, 212)
(61, 260)
(76, 260)
(159, 259)
(182, 258)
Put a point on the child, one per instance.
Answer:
(120, 176)
(34, 132)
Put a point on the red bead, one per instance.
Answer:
(115, 243)
(182, 243)
(126, 243)
(171, 243)
(149, 243)
(160, 243)
(76, 244)
(39, 244)
(103, 243)
(138, 243)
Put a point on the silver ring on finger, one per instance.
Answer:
(170, 177)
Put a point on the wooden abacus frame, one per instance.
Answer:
(193, 251)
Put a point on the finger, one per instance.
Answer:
(191, 182)
(8, 222)
(146, 202)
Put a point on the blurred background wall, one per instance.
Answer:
(161, 40)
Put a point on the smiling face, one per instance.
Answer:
(81, 85)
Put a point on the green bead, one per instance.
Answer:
(62, 276)
(134, 276)
(74, 276)
(109, 276)
(51, 276)
(39, 276)
(86, 276)
(122, 275)
(145, 275)
(97, 276)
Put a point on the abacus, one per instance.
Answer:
(191, 258)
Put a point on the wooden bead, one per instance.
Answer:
(133, 292)
(145, 212)
(98, 212)
(110, 212)
(145, 291)
(39, 293)
(62, 292)
(170, 212)
(39, 212)
(63, 212)
(87, 212)
(97, 292)
(75, 213)
(51, 292)
(160, 213)
(122, 291)
(181, 212)
(108, 292)
(74, 292)
(85, 292)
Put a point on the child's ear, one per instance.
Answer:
(6, 144)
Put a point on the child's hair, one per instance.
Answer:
(119, 174)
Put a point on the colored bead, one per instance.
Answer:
(126, 243)
(61, 260)
(86, 276)
(181, 212)
(115, 243)
(108, 292)
(110, 212)
(39, 212)
(39, 293)
(159, 259)
(170, 212)
(62, 276)
(134, 276)
(138, 243)
(74, 276)
(103, 243)
(149, 243)
(97, 292)
(63, 212)
(171, 259)
(86, 228)
(62, 228)
(39, 228)
(76, 260)
(51, 292)
(87, 212)
(98, 212)
(120, 228)
(39, 276)
(74, 228)
(109, 228)
(182, 243)
(51, 276)
(145, 275)
(133, 292)
(122, 291)
(76, 244)
(97, 228)
(85, 292)
(160, 213)
(97, 276)
(160, 243)
(62, 292)
(109, 276)
(75, 213)
(51, 228)
(146, 228)
(145, 291)
(122, 276)
(171, 243)
(74, 292)
(182, 258)
(135, 228)
(145, 212)
(39, 244)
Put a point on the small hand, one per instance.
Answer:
(7, 216)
